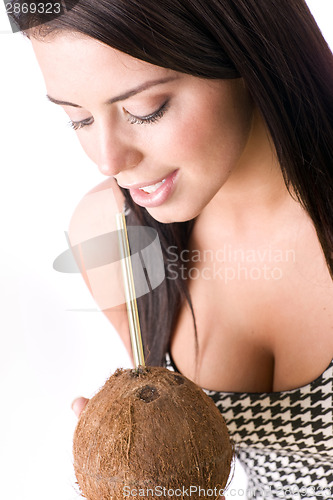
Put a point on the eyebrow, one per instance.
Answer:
(121, 97)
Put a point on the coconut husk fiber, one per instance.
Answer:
(150, 428)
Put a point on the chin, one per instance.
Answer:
(167, 216)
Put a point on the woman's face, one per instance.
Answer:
(178, 136)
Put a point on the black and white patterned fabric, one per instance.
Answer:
(284, 440)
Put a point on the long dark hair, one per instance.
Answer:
(277, 48)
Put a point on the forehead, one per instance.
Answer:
(74, 63)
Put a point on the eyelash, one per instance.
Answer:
(80, 124)
(134, 120)
(149, 119)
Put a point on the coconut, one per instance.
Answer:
(151, 432)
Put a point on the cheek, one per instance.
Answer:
(206, 137)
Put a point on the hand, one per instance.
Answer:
(78, 405)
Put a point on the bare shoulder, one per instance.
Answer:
(95, 248)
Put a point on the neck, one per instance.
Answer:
(254, 203)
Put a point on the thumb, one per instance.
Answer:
(78, 405)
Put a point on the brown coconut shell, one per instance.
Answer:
(146, 429)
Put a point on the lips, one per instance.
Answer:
(153, 194)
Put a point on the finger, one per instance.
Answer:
(78, 405)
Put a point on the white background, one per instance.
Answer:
(48, 353)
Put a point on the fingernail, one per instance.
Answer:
(73, 404)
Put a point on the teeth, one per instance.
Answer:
(152, 188)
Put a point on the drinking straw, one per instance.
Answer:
(130, 297)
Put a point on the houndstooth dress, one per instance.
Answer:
(284, 440)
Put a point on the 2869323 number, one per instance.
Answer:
(33, 8)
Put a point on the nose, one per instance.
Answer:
(116, 154)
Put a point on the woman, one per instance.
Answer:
(215, 120)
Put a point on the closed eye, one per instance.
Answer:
(134, 120)
(148, 119)
(82, 123)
